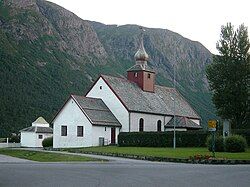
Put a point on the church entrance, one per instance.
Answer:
(112, 135)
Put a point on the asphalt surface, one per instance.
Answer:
(9, 159)
(115, 173)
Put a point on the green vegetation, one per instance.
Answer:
(44, 156)
(228, 76)
(163, 152)
(48, 142)
(235, 143)
(162, 139)
(219, 143)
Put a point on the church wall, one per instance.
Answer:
(150, 121)
(102, 90)
(71, 116)
(99, 131)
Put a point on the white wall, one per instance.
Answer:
(31, 139)
(28, 139)
(71, 116)
(99, 131)
(150, 121)
(112, 102)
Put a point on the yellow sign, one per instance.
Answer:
(212, 124)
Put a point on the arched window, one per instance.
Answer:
(141, 125)
(159, 125)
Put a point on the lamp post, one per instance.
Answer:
(174, 139)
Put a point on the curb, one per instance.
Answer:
(164, 159)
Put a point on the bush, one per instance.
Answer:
(48, 142)
(244, 132)
(219, 143)
(163, 139)
(14, 138)
(235, 143)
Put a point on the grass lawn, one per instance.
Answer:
(166, 152)
(45, 156)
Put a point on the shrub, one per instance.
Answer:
(14, 138)
(48, 142)
(219, 143)
(244, 132)
(163, 139)
(235, 143)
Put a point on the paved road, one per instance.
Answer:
(9, 159)
(122, 174)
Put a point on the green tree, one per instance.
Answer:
(228, 76)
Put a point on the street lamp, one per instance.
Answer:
(174, 139)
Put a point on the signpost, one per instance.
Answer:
(212, 127)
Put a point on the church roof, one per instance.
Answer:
(182, 122)
(159, 102)
(96, 110)
(37, 129)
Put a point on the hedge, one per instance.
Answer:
(163, 139)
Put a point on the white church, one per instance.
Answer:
(118, 104)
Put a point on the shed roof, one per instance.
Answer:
(96, 111)
(40, 120)
(159, 102)
(182, 122)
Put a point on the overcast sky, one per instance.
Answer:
(198, 20)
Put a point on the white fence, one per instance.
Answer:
(4, 145)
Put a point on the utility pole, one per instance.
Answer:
(174, 140)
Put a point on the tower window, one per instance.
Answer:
(148, 75)
(135, 75)
(100, 87)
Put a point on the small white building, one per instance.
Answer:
(84, 122)
(34, 135)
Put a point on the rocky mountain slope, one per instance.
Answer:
(47, 52)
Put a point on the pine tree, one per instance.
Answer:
(229, 76)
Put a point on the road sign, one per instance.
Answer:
(212, 125)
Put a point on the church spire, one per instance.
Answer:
(141, 73)
(141, 56)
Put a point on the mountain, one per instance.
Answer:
(48, 53)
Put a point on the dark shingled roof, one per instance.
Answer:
(96, 111)
(182, 122)
(159, 102)
(37, 129)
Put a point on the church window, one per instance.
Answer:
(100, 87)
(149, 75)
(135, 74)
(63, 130)
(105, 128)
(141, 125)
(80, 131)
(159, 125)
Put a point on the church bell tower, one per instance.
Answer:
(141, 73)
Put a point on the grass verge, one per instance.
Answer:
(164, 152)
(45, 156)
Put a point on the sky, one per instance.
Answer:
(198, 20)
